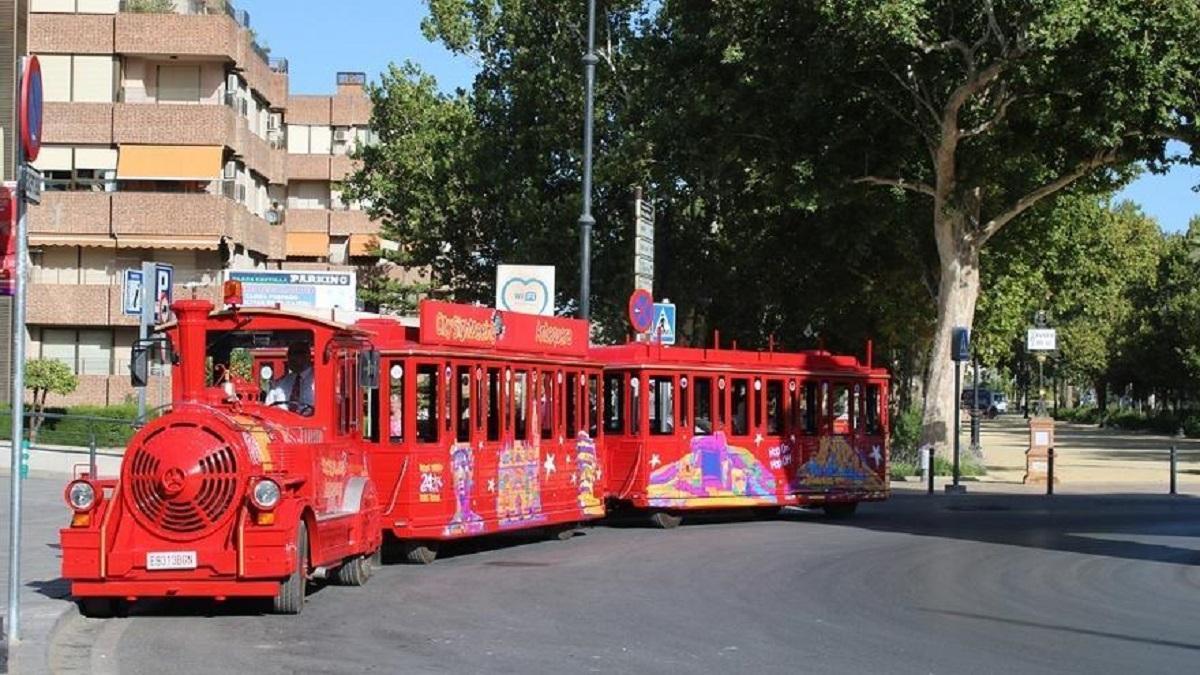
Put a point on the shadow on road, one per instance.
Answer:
(1129, 526)
(1041, 625)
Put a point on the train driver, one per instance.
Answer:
(295, 389)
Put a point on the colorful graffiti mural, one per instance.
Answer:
(712, 470)
(837, 464)
(519, 488)
(462, 468)
(587, 474)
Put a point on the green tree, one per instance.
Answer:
(149, 6)
(988, 108)
(44, 377)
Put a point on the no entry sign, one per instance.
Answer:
(31, 108)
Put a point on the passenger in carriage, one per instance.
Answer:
(295, 389)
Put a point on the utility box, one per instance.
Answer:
(1037, 455)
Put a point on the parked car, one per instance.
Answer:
(987, 401)
(1000, 402)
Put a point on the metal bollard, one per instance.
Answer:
(92, 454)
(1173, 467)
(1050, 471)
(929, 467)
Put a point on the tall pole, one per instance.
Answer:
(586, 221)
(18, 391)
(957, 418)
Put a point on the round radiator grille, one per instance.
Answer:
(182, 479)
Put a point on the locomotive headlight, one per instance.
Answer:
(81, 495)
(266, 493)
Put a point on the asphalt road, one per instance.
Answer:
(974, 584)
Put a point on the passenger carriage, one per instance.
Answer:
(488, 423)
(225, 496)
(690, 429)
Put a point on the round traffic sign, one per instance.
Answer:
(641, 310)
(31, 108)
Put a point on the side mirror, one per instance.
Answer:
(139, 365)
(368, 369)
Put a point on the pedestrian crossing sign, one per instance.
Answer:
(663, 329)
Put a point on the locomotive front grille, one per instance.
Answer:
(183, 480)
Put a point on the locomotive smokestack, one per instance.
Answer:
(192, 318)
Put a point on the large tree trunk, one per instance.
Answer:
(958, 291)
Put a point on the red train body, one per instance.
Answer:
(467, 422)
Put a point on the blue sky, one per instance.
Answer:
(319, 39)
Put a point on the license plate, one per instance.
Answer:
(171, 560)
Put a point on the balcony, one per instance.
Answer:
(71, 214)
(308, 167)
(307, 220)
(72, 305)
(169, 124)
(71, 33)
(351, 222)
(341, 166)
(77, 123)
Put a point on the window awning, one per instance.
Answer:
(210, 243)
(170, 162)
(61, 239)
(363, 244)
(308, 244)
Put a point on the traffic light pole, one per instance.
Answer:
(586, 221)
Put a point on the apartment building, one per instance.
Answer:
(171, 137)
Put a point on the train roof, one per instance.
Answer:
(646, 355)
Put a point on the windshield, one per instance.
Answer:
(275, 364)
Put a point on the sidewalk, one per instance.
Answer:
(1086, 454)
(43, 592)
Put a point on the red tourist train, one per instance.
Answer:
(294, 445)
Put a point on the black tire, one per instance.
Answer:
(665, 521)
(767, 512)
(290, 599)
(356, 571)
(840, 509)
(420, 552)
(98, 608)
(564, 532)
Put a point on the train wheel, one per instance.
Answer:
(767, 512)
(98, 608)
(840, 509)
(290, 599)
(664, 520)
(356, 571)
(564, 532)
(420, 552)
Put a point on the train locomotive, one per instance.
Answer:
(224, 494)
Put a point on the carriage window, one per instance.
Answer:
(449, 400)
(614, 403)
(774, 407)
(493, 404)
(517, 404)
(856, 408)
(346, 391)
(739, 401)
(841, 409)
(721, 403)
(702, 397)
(811, 407)
(683, 403)
(758, 403)
(635, 406)
(661, 391)
(427, 403)
(546, 405)
(572, 403)
(873, 409)
(593, 404)
(396, 401)
(370, 413)
(464, 404)
(823, 406)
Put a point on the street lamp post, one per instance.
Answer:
(586, 221)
